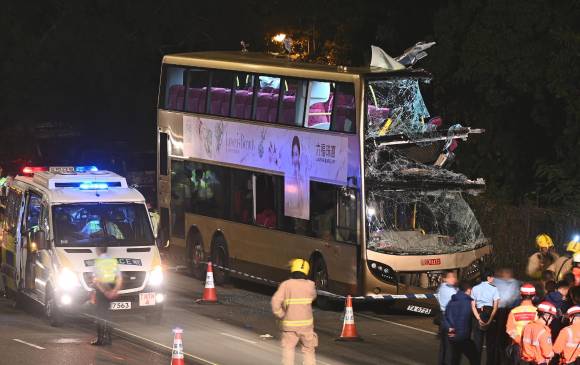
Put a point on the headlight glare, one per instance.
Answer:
(67, 279)
(156, 276)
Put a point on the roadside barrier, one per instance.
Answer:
(177, 351)
(368, 298)
(209, 292)
(349, 332)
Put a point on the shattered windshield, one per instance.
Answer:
(396, 106)
(101, 224)
(421, 222)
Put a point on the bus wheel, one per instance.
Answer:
(320, 277)
(219, 258)
(196, 266)
(53, 313)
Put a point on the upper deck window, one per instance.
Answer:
(395, 106)
(317, 104)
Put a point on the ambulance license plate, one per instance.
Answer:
(146, 299)
(115, 306)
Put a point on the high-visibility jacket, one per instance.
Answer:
(536, 342)
(518, 318)
(292, 303)
(106, 270)
(568, 343)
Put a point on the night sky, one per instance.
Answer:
(88, 72)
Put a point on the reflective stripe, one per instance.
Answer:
(279, 311)
(298, 301)
(570, 342)
(106, 270)
(298, 323)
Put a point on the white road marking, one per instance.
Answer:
(29, 344)
(164, 346)
(238, 338)
(395, 323)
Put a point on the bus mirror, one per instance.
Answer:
(39, 241)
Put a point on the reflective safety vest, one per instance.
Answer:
(537, 343)
(106, 270)
(568, 343)
(292, 303)
(518, 318)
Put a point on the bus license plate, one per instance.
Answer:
(146, 299)
(120, 306)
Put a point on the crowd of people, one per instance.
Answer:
(519, 323)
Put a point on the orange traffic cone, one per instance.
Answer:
(177, 352)
(349, 332)
(209, 292)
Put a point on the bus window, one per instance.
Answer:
(347, 212)
(196, 93)
(322, 210)
(266, 202)
(209, 189)
(243, 96)
(174, 90)
(242, 196)
(267, 99)
(293, 101)
(344, 112)
(320, 96)
(163, 153)
(220, 92)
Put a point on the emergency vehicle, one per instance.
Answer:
(55, 219)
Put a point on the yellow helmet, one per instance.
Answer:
(300, 265)
(544, 241)
(573, 246)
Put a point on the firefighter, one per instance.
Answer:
(564, 264)
(576, 268)
(537, 337)
(107, 283)
(292, 304)
(544, 259)
(519, 317)
(567, 344)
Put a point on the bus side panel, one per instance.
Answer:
(266, 252)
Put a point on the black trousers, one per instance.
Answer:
(465, 348)
(502, 338)
(444, 345)
(103, 318)
(489, 336)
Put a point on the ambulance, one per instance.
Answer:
(55, 218)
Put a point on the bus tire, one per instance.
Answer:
(220, 258)
(53, 313)
(196, 256)
(320, 277)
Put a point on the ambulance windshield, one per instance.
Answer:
(101, 224)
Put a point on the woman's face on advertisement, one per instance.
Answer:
(295, 156)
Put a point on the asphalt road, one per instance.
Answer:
(240, 330)
(26, 338)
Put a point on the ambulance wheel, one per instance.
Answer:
(219, 258)
(320, 278)
(53, 313)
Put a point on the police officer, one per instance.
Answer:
(484, 307)
(292, 304)
(107, 282)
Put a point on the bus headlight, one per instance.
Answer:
(67, 279)
(156, 276)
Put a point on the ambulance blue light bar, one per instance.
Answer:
(86, 169)
(93, 186)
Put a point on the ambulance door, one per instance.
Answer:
(11, 227)
(30, 224)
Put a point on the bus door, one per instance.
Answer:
(27, 254)
(163, 189)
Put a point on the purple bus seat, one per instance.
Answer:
(175, 97)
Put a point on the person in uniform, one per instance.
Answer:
(544, 259)
(567, 344)
(484, 307)
(107, 282)
(292, 304)
(537, 337)
(518, 318)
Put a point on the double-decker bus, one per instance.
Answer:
(261, 160)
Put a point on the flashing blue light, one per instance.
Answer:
(577, 238)
(86, 169)
(93, 186)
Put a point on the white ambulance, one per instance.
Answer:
(55, 218)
